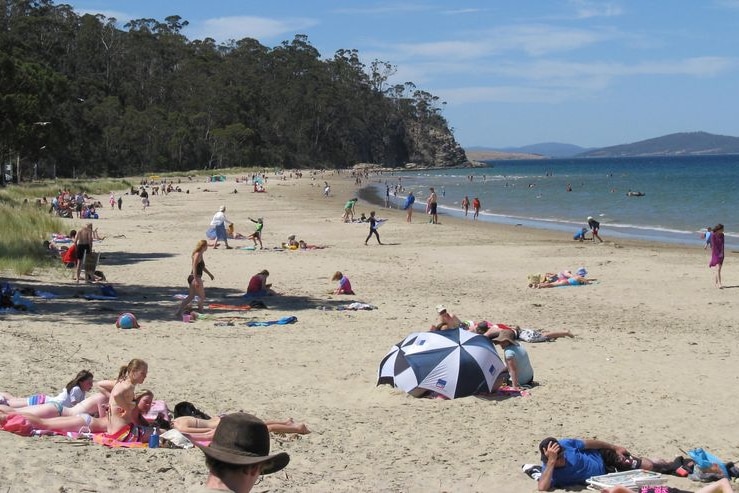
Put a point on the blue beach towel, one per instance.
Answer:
(283, 321)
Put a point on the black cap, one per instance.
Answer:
(544, 445)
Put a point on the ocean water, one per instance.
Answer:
(682, 195)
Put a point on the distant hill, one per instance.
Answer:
(490, 154)
(679, 144)
(549, 149)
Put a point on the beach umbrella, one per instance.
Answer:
(453, 363)
(394, 367)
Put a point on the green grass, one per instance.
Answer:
(22, 232)
(24, 227)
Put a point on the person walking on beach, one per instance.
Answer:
(717, 253)
(476, 207)
(219, 223)
(408, 206)
(120, 202)
(431, 206)
(373, 224)
(466, 205)
(195, 279)
(594, 227)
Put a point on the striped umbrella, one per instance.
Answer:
(394, 369)
(454, 363)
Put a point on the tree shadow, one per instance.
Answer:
(128, 258)
(150, 304)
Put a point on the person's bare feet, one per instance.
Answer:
(569, 334)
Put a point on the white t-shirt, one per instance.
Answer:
(218, 219)
(69, 399)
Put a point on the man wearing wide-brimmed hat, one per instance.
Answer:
(239, 454)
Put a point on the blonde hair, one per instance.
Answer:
(200, 245)
(133, 365)
(337, 275)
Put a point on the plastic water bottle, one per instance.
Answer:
(154, 439)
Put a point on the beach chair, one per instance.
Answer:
(90, 265)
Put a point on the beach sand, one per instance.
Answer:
(650, 369)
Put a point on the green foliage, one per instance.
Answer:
(121, 102)
(22, 232)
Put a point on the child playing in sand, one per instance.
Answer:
(256, 236)
(344, 287)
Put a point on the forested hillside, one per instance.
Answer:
(81, 96)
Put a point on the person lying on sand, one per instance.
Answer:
(199, 429)
(96, 423)
(569, 281)
(568, 462)
(527, 335)
(72, 394)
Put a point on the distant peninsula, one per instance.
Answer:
(677, 144)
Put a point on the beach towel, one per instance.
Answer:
(99, 297)
(47, 295)
(282, 321)
(357, 305)
(511, 392)
(222, 306)
(130, 436)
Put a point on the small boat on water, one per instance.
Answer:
(635, 194)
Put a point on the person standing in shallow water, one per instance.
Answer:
(717, 253)
(466, 205)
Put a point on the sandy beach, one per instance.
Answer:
(650, 367)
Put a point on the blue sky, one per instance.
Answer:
(512, 73)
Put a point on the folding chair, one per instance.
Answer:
(90, 264)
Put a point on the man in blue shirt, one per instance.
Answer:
(569, 461)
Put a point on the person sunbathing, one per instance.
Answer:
(122, 412)
(574, 280)
(73, 393)
(90, 405)
(527, 335)
(199, 429)
(95, 423)
(447, 321)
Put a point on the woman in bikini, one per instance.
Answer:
(198, 429)
(122, 406)
(195, 279)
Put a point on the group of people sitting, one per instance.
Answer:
(73, 255)
(236, 446)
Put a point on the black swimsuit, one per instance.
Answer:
(198, 271)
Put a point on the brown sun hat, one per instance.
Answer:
(243, 439)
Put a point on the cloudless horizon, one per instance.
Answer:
(584, 72)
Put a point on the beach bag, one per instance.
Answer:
(19, 425)
(211, 234)
(707, 467)
(534, 278)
